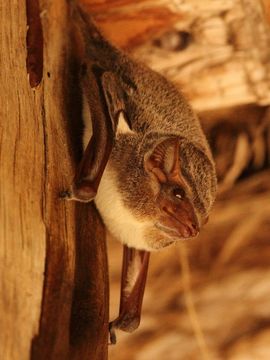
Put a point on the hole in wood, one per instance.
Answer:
(34, 43)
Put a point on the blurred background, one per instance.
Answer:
(208, 298)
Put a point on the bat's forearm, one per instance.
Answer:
(134, 274)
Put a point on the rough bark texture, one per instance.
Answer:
(129, 23)
(54, 288)
(217, 52)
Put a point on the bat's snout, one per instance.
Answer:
(192, 229)
(179, 227)
(180, 218)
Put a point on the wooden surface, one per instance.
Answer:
(130, 23)
(53, 266)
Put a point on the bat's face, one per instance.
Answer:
(150, 204)
(177, 216)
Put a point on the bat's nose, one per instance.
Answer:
(191, 230)
(194, 228)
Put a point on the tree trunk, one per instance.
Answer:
(54, 278)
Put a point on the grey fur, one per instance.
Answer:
(155, 110)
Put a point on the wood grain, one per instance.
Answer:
(128, 23)
(225, 61)
(53, 272)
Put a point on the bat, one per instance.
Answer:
(147, 164)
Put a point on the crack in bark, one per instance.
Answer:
(34, 43)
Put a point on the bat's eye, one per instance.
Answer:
(179, 193)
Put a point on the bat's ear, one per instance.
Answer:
(164, 161)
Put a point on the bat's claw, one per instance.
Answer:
(125, 323)
(121, 325)
(65, 195)
(112, 334)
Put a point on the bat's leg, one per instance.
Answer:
(103, 100)
(134, 274)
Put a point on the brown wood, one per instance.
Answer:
(217, 53)
(53, 280)
(130, 23)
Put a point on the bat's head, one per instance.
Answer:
(159, 191)
(182, 179)
(177, 213)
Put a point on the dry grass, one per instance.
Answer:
(209, 299)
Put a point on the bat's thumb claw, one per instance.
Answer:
(65, 194)
(74, 194)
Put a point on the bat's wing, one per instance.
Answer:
(134, 274)
(103, 97)
(101, 92)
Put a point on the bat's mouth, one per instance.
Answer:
(174, 227)
(186, 227)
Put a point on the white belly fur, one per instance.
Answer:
(118, 219)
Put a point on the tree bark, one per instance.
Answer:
(130, 23)
(217, 53)
(53, 277)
